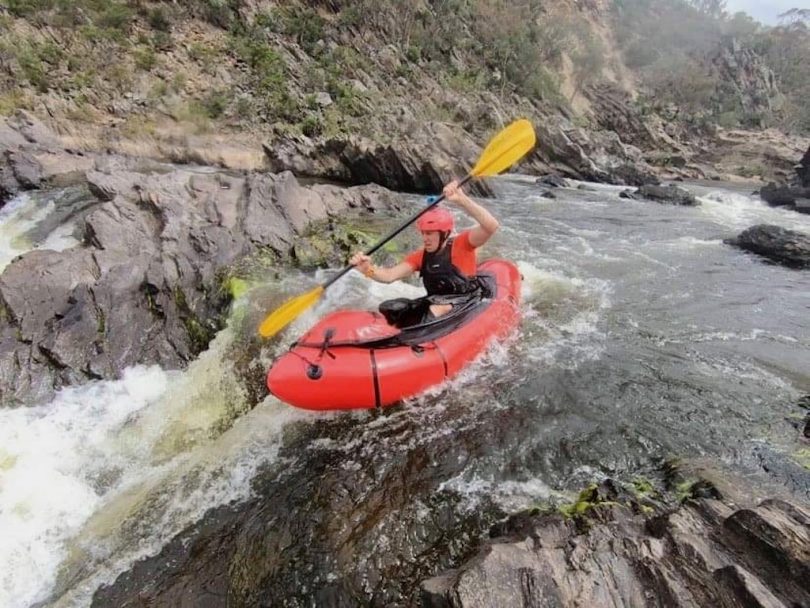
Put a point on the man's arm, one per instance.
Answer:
(487, 224)
(381, 274)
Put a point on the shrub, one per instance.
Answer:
(312, 126)
(215, 103)
(158, 19)
(116, 17)
(145, 58)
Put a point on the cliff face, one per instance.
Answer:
(752, 83)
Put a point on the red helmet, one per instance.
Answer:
(436, 219)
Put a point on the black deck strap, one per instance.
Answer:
(377, 400)
(441, 354)
(327, 337)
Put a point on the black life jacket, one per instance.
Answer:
(441, 277)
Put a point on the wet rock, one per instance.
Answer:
(145, 285)
(346, 529)
(777, 244)
(709, 552)
(553, 181)
(670, 194)
(782, 196)
(548, 194)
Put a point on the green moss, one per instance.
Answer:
(101, 321)
(695, 488)
(587, 499)
(199, 335)
(643, 487)
(237, 287)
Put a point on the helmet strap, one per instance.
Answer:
(443, 238)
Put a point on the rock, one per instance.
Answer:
(34, 131)
(145, 287)
(548, 194)
(803, 170)
(778, 244)
(614, 110)
(597, 156)
(754, 83)
(433, 154)
(663, 194)
(25, 169)
(707, 553)
(323, 99)
(631, 175)
(554, 181)
(782, 196)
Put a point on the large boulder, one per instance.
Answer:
(145, 285)
(777, 244)
(792, 197)
(671, 195)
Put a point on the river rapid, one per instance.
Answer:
(644, 337)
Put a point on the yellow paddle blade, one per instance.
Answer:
(288, 312)
(505, 149)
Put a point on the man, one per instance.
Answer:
(446, 264)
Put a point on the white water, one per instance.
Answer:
(47, 462)
(20, 215)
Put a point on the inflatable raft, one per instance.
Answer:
(354, 359)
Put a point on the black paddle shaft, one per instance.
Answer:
(396, 231)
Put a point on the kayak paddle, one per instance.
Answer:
(503, 151)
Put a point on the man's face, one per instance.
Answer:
(431, 240)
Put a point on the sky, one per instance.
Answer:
(765, 11)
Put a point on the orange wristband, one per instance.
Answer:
(370, 272)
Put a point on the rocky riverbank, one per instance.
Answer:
(159, 244)
(722, 546)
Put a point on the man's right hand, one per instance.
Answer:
(361, 261)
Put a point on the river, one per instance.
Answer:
(644, 337)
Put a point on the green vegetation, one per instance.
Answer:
(672, 44)
(588, 499)
(507, 47)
